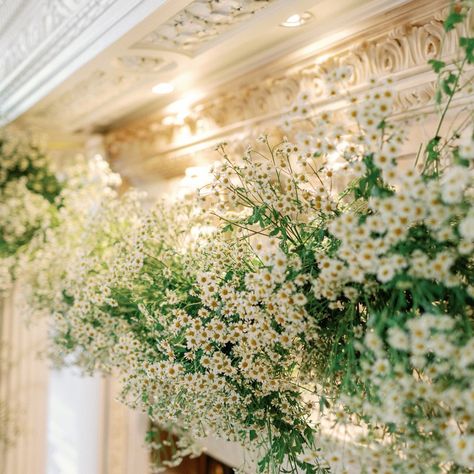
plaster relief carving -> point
(57, 24)
(10, 12)
(96, 91)
(142, 63)
(50, 15)
(200, 22)
(415, 96)
(401, 53)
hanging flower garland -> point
(28, 193)
(280, 304)
(90, 221)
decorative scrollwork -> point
(400, 53)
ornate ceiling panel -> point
(42, 44)
(50, 19)
(105, 92)
(200, 22)
(119, 79)
(10, 11)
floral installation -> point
(28, 192)
(61, 266)
(386, 266)
(317, 285)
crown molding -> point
(61, 37)
(163, 144)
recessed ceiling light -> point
(163, 88)
(297, 20)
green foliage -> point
(437, 65)
(25, 160)
(468, 45)
(28, 199)
(454, 18)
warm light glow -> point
(195, 177)
(335, 161)
(179, 110)
(183, 105)
(163, 88)
(168, 120)
(323, 58)
(293, 20)
(297, 20)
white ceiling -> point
(90, 64)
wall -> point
(73, 423)
(24, 389)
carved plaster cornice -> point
(51, 19)
(56, 25)
(401, 53)
(53, 39)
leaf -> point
(437, 65)
(468, 45)
(432, 149)
(452, 20)
(448, 84)
(255, 217)
(323, 403)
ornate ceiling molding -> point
(104, 92)
(157, 142)
(53, 38)
(143, 63)
(119, 79)
(200, 22)
(10, 11)
(53, 18)
(56, 25)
